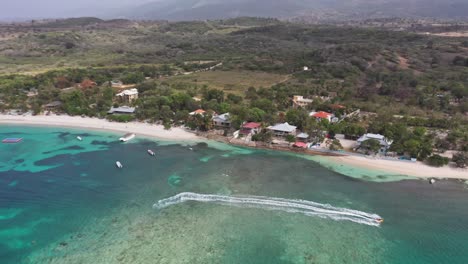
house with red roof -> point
(300, 144)
(250, 128)
(322, 115)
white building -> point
(223, 120)
(300, 101)
(128, 95)
(384, 142)
(283, 129)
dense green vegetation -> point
(415, 85)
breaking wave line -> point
(279, 204)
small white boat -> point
(118, 164)
(127, 137)
(432, 181)
(79, 138)
(151, 152)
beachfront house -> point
(250, 128)
(222, 121)
(123, 110)
(384, 142)
(302, 137)
(322, 116)
(300, 101)
(282, 130)
(128, 96)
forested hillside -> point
(424, 71)
(411, 87)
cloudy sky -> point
(11, 9)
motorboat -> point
(151, 152)
(118, 164)
(379, 220)
(127, 137)
(79, 138)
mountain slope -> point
(216, 9)
(325, 9)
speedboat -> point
(127, 137)
(150, 152)
(379, 220)
(79, 138)
(118, 164)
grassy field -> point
(235, 82)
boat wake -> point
(279, 204)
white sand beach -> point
(137, 128)
(416, 169)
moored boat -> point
(118, 164)
(151, 152)
(12, 140)
(79, 138)
(127, 137)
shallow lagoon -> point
(63, 201)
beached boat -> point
(79, 138)
(12, 140)
(118, 164)
(151, 152)
(127, 137)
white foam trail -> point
(270, 203)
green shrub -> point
(437, 161)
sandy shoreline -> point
(138, 128)
(416, 169)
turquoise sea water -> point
(63, 201)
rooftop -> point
(222, 118)
(321, 114)
(252, 125)
(285, 127)
(373, 136)
(133, 91)
(54, 104)
(122, 109)
(300, 98)
(300, 144)
(198, 112)
(378, 137)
